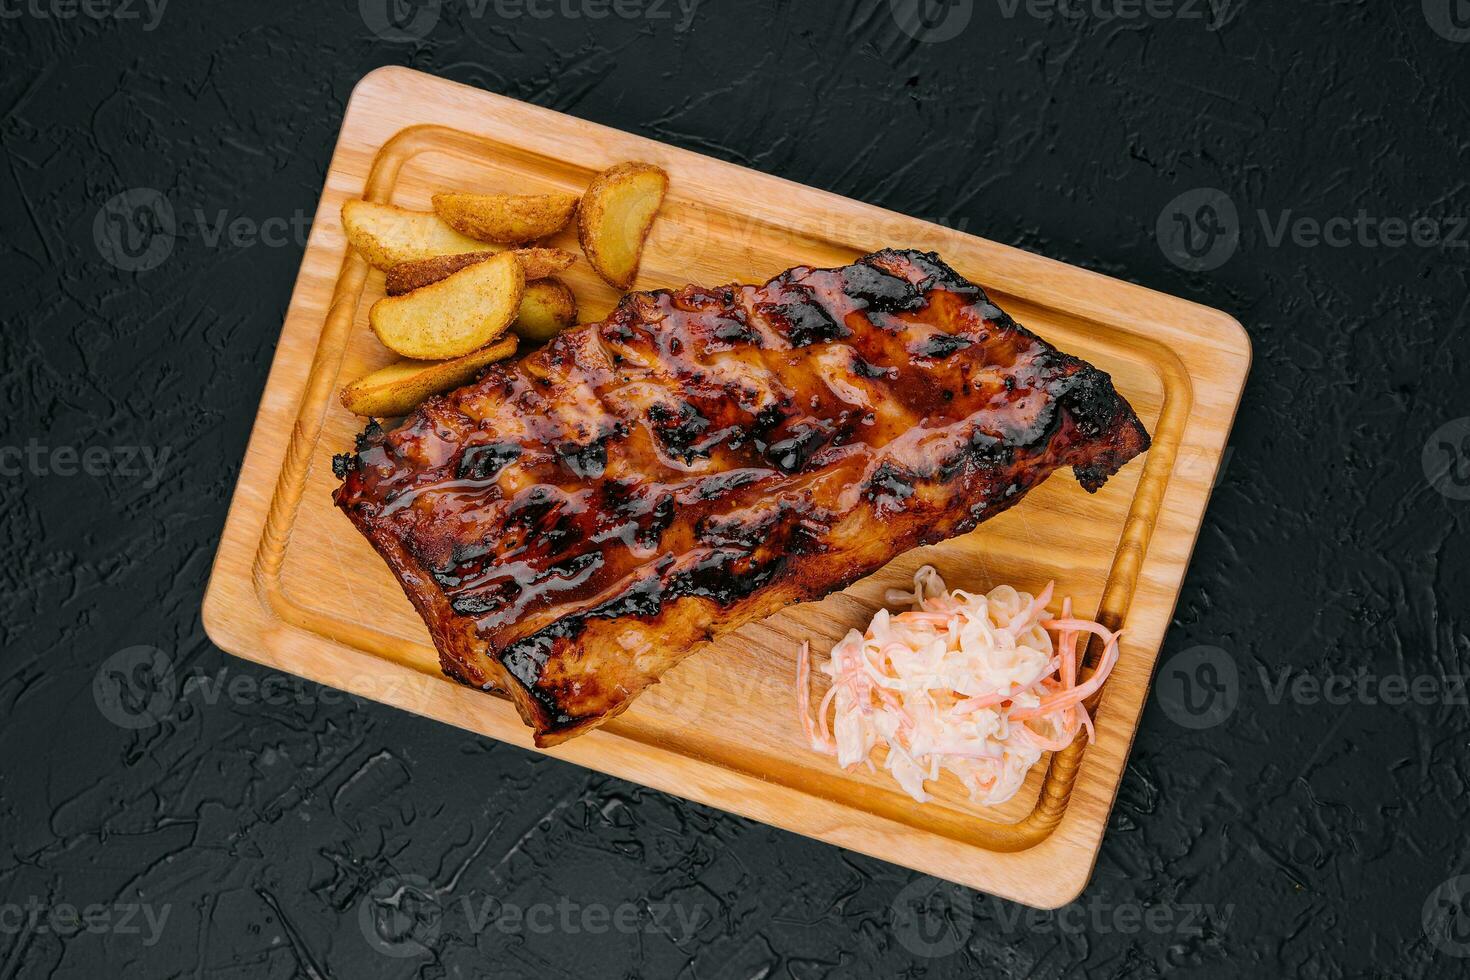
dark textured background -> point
(1295, 838)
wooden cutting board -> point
(296, 588)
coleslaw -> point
(968, 683)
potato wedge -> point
(455, 315)
(387, 235)
(508, 219)
(539, 263)
(400, 388)
(547, 308)
(616, 213)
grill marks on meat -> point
(574, 523)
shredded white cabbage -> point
(960, 682)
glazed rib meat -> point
(577, 522)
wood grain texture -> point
(294, 587)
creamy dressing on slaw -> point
(963, 682)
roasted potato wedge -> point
(616, 213)
(400, 388)
(455, 315)
(508, 219)
(539, 263)
(547, 308)
(387, 235)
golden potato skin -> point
(506, 219)
(615, 216)
(547, 308)
(400, 388)
(454, 316)
(539, 262)
(405, 277)
(387, 235)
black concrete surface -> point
(1302, 165)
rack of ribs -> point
(576, 522)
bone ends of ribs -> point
(575, 523)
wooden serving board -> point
(296, 588)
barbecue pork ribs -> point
(578, 521)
